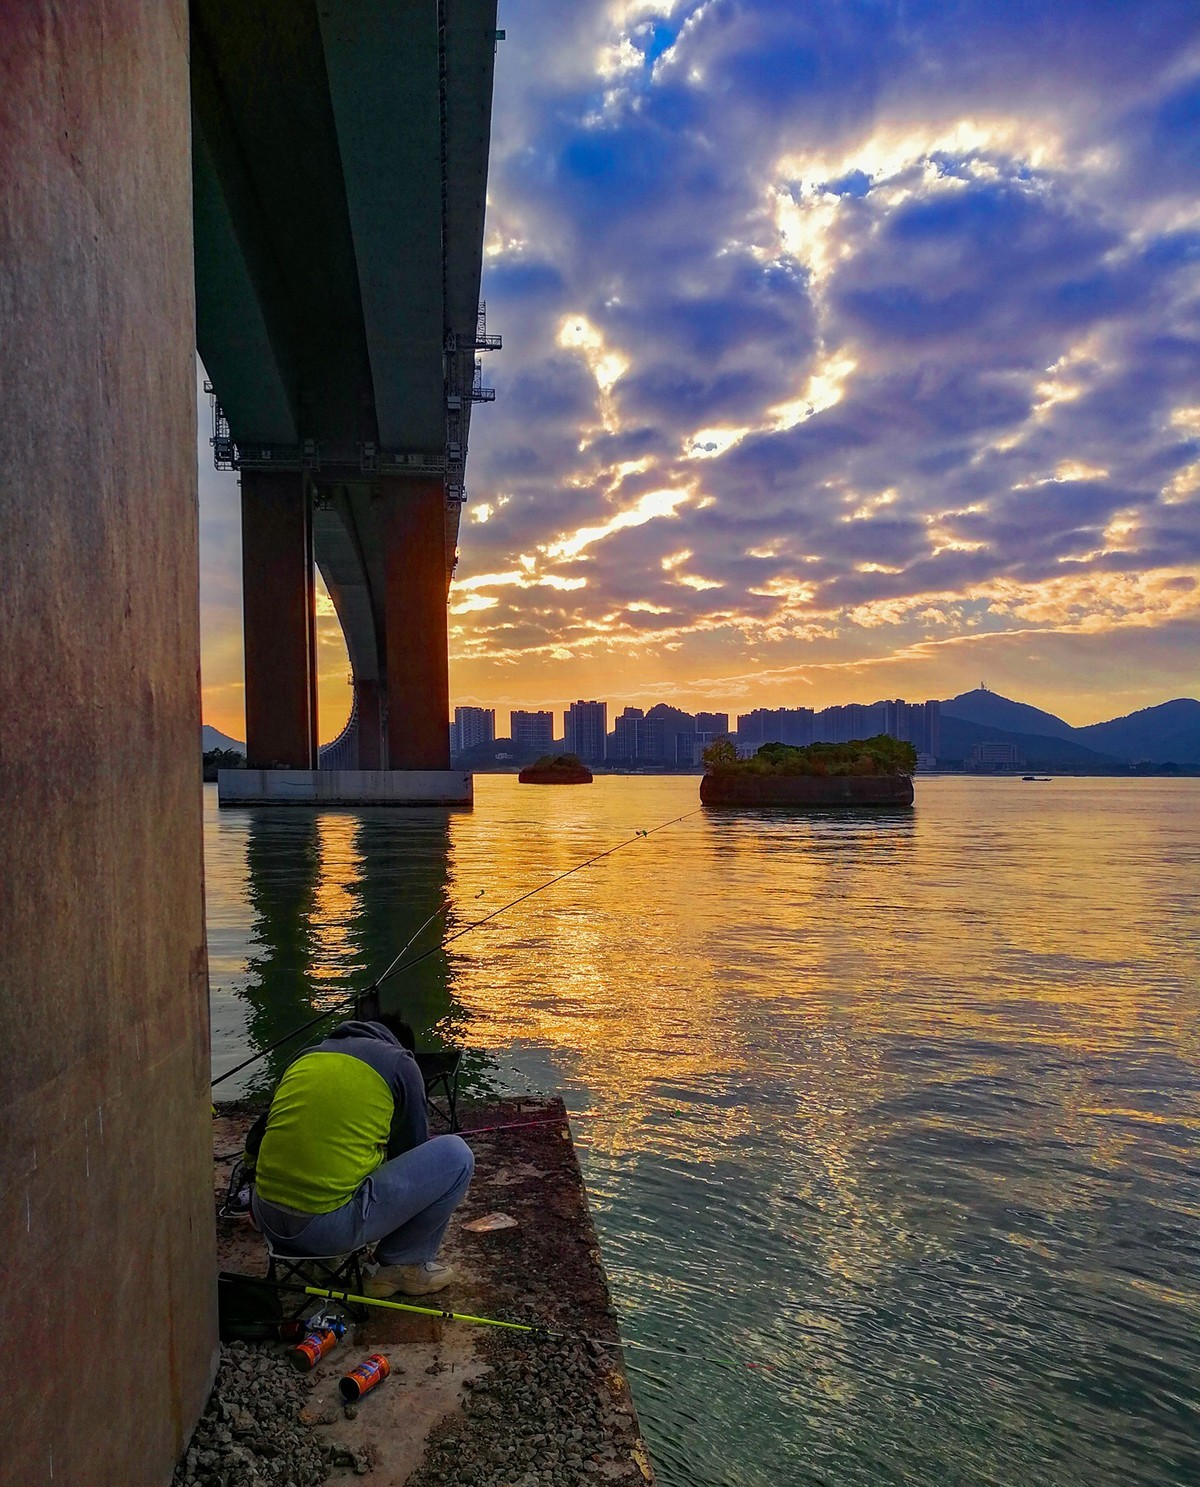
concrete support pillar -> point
(369, 698)
(106, 1224)
(418, 673)
(279, 620)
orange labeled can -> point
(308, 1354)
(371, 1371)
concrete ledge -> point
(344, 787)
(812, 792)
(480, 1405)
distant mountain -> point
(994, 711)
(674, 717)
(213, 738)
(1168, 732)
(1038, 750)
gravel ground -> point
(542, 1416)
(252, 1434)
(548, 1412)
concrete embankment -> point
(465, 1405)
(813, 792)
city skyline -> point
(628, 699)
(479, 724)
(843, 354)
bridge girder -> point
(340, 156)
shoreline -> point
(471, 1406)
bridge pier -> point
(369, 699)
(413, 511)
(106, 1228)
(279, 620)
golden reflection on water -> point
(901, 1101)
(340, 865)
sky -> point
(850, 351)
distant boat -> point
(1035, 776)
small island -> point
(865, 772)
(556, 769)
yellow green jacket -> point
(341, 1108)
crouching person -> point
(343, 1158)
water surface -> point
(892, 1120)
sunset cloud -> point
(847, 351)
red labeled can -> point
(371, 1371)
(308, 1354)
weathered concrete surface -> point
(251, 787)
(418, 666)
(106, 1231)
(473, 1406)
(814, 791)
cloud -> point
(888, 316)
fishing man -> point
(343, 1158)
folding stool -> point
(330, 1272)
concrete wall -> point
(327, 787)
(106, 1228)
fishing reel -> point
(236, 1203)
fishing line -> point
(348, 1298)
(395, 968)
(520, 1125)
(337, 1006)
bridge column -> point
(369, 698)
(413, 513)
(279, 621)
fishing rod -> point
(532, 1329)
(395, 968)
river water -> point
(891, 1121)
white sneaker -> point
(409, 1280)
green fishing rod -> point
(531, 1329)
(396, 968)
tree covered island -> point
(866, 771)
(556, 769)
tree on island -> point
(215, 759)
(556, 769)
(881, 755)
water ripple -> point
(892, 1122)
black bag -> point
(249, 1309)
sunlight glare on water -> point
(892, 1120)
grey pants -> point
(402, 1208)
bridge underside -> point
(340, 174)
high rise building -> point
(627, 735)
(715, 723)
(585, 725)
(532, 731)
(925, 721)
(786, 725)
(846, 723)
(657, 741)
(472, 725)
(917, 723)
